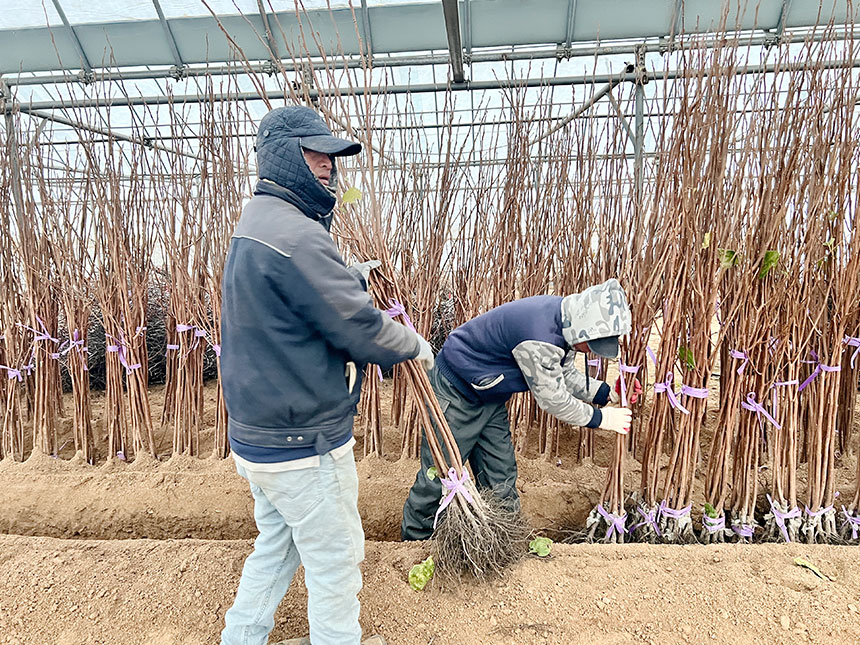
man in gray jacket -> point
(297, 330)
(525, 345)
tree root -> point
(677, 530)
(850, 531)
(786, 530)
(645, 528)
(596, 522)
(744, 526)
(714, 530)
(478, 540)
(820, 529)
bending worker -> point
(527, 344)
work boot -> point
(376, 639)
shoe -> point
(304, 640)
(376, 639)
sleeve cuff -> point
(596, 418)
(602, 396)
(355, 273)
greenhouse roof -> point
(64, 35)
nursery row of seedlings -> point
(736, 242)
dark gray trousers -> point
(483, 435)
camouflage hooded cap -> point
(597, 316)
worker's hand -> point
(633, 392)
(425, 354)
(616, 419)
(364, 268)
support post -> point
(12, 152)
(639, 140)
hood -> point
(280, 161)
(600, 311)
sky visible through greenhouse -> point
(411, 125)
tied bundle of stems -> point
(477, 535)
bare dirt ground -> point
(151, 552)
(175, 592)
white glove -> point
(614, 397)
(616, 419)
(364, 268)
(425, 354)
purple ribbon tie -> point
(714, 524)
(651, 355)
(120, 349)
(675, 514)
(595, 362)
(12, 373)
(217, 349)
(775, 397)
(854, 521)
(820, 367)
(667, 387)
(198, 334)
(780, 517)
(819, 512)
(852, 341)
(40, 335)
(740, 356)
(397, 309)
(743, 530)
(754, 406)
(454, 486)
(649, 518)
(695, 392)
(616, 522)
(625, 369)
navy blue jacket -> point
(483, 347)
(519, 347)
(292, 317)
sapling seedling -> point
(540, 546)
(422, 573)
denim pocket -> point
(295, 493)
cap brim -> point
(330, 145)
(605, 347)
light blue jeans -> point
(308, 517)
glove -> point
(425, 354)
(616, 419)
(364, 268)
(632, 393)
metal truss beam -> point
(423, 88)
(571, 23)
(171, 41)
(366, 29)
(267, 27)
(85, 62)
(455, 42)
(406, 61)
